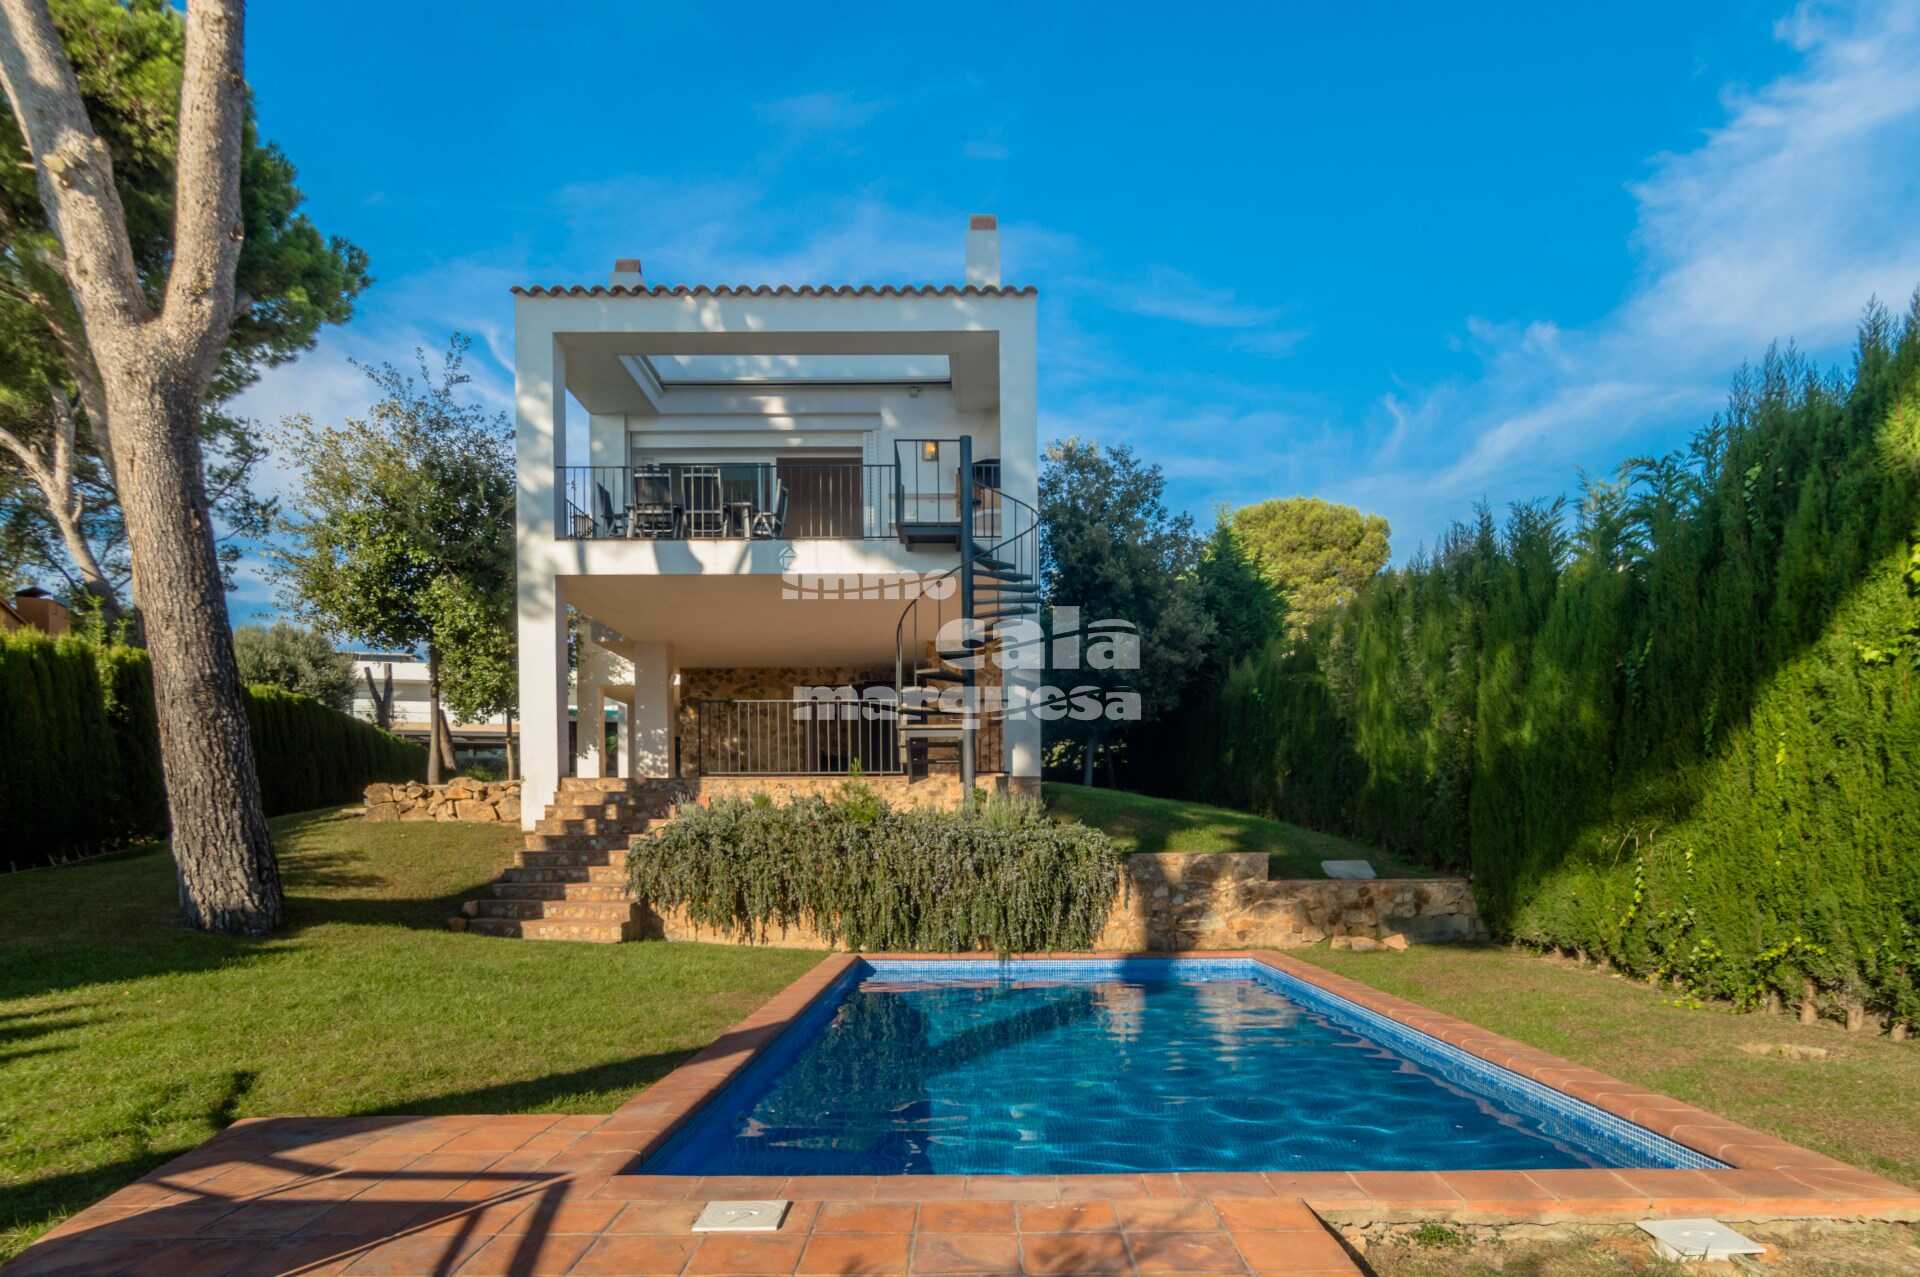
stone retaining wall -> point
(462, 798)
(1226, 901)
(941, 792)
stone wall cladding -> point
(462, 798)
(1226, 901)
(937, 791)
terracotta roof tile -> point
(774, 290)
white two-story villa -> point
(783, 490)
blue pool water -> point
(1087, 1067)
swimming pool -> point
(1089, 1066)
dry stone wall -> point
(1226, 901)
(462, 798)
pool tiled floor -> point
(532, 1194)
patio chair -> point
(770, 524)
(610, 524)
(654, 513)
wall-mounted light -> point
(930, 450)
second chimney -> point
(983, 251)
(626, 273)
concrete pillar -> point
(540, 447)
(1020, 477)
(652, 709)
(623, 744)
(590, 724)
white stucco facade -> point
(782, 390)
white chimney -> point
(626, 273)
(983, 251)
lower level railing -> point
(796, 738)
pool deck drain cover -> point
(1698, 1239)
(741, 1217)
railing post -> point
(969, 720)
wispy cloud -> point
(824, 111)
(1163, 292)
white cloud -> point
(823, 111)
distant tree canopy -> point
(297, 659)
(1317, 553)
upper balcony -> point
(914, 498)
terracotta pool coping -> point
(1769, 1178)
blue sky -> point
(1404, 257)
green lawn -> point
(1861, 1103)
(125, 1040)
(1142, 824)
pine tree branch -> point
(207, 225)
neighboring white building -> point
(770, 475)
(411, 702)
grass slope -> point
(1143, 824)
(125, 1039)
(1860, 1104)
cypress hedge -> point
(1000, 876)
(80, 749)
(1678, 731)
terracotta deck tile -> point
(966, 1217)
(650, 1188)
(1184, 1253)
(1493, 1197)
(921, 1188)
(1165, 1186)
(369, 1221)
(1318, 1187)
(1082, 1254)
(743, 1256)
(527, 1255)
(1227, 1183)
(412, 1257)
(1014, 1188)
(974, 1254)
(1265, 1214)
(864, 1217)
(314, 1257)
(830, 1188)
(266, 1219)
(1594, 1195)
(568, 1217)
(1408, 1190)
(884, 1254)
(1169, 1214)
(1101, 1187)
(1296, 1250)
(635, 1256)
(735, 1188)
(182, 1220)
(1067, 1217)
(1681, 1194)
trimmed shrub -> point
(1680, 731)
(1002, 876)
(80, 749)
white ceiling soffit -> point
(669, 371)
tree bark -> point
(154, 371)
(449, 761)
(52, 473)
(513, 769)
(433, 715)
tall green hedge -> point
(1680, 730)
(1001, 876)
(80, 751)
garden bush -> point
(80, 749)
(1679, 731)
(1001, 876)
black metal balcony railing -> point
(728, 500)
(796, 738)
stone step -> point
(576, 842)
(607, 874)
(547, 929)
(551, 910)
(620, 825)
(570, 857)
(606, 892)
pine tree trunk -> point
(513, 769)
(449, 761)
(433, 716)
(228, 878)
